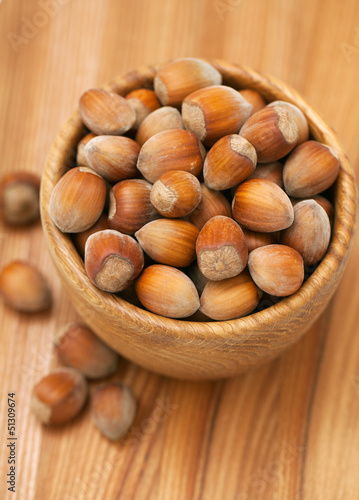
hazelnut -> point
(254, 98)
(113, 409)
(298, 117)
(255, 239)
(78, 347)
(174, 81)
(229, 162)
(221, 249)
(212, 203)
(112, 260)
(261, 205)
(113, 157)
(272, 131)
(19, 198)
(170, 150)
(167, 291)
(81, 159)
(230, 298)
(310, 232)
(169, 241)
(77, 200)
(106, 113)
(271, 171)
(24, 288)
(276, 269)
(176, 193)
(143, 101)
(59, 397)
(310, 169)
(322, 201)
(80, 239)
(214, 112)
(166, 118)
(130, 206)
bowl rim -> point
(345, 205)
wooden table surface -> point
(288, 430)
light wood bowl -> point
(195, 350)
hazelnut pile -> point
(196, 199)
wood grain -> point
(285, 431)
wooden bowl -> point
(195, 350)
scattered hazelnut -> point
(19, 198)
(78, 347)
(59, 397)
(113, 409)
(24, 288)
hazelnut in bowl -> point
(199, 214)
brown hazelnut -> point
(24, 288)
(59, 397)
(175, 80)
(19, 198)
(113, 409)
(130, 206)
(261, 205)
(167, 291)
(78, 347)
(106, 113)
(169, 241)
(77, 200)
(276, 269)
(112, 260)
(176, 193)
(221, 249)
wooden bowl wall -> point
(193, 350)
